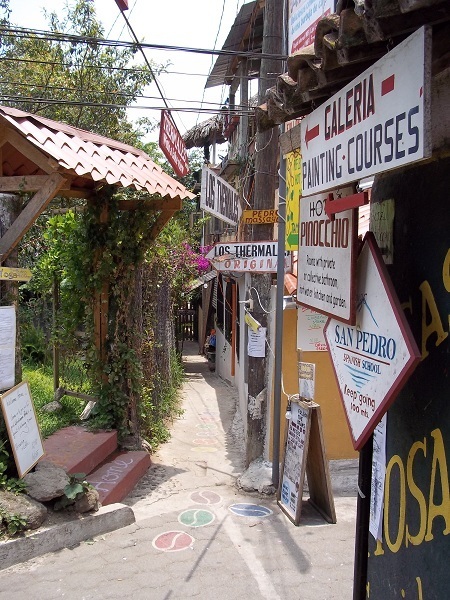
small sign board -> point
(306, 380)
(326, 259)
(172, 144)
(310, 326)
(379, 121)
(14, 274)
(23, 430)
(304, 453)
(219, 198)
(248, 257)
(373, 359)
(260, 217)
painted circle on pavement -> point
(196, 517)
(206, 497)
(205, 441)
(244, 509)
(173, 541)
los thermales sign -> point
(379, 121)
(256, 257)
(219, 198)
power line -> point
(71, 38)
(108, 93)
(53, 101)
(160, 71)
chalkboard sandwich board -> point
(23, 430)
(304, 453)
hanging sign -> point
(379, 121)
(219, 198)
(373, 359)
(326, 259)
(14, 274)
(172, 144)
(260, 217)
(293, 194)
(248, 257)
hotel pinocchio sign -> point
(327, 259)
(373, 359)
(219, 198)
(379, 121)
(248, 257)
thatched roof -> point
(206, 133)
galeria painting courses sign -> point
(379, 121)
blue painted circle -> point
(244, 509)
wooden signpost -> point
(304, 453)
(23, 430)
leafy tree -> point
(85, 84)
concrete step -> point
(119, 474)
(78, 450)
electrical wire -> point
(106, 92)
(52, 101)
(50, 36)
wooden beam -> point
(163, 218)
(27, 149)
(171, 204)
(290, 140)
(29, 214)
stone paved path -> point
(196, 535)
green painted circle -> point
(195, 517)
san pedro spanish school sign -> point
(373, 359)
(219, 198)
(379, 121)
(254, 257)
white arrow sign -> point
(373, 359)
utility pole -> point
(266, 182)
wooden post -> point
(266, 182)
(101, 301)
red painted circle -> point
(206, 497)
(173, 541)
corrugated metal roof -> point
(240, 38)
(89, 157)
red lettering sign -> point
(172, 144)
(122, 4)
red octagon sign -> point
(373, 359)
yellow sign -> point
(293, 193)
(14, 274)
(259, 217)
(251, 322)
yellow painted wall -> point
(338, 442)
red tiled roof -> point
(89, 157)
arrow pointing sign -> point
(373, 359)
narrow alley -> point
(196, 534)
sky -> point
(193, 24)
